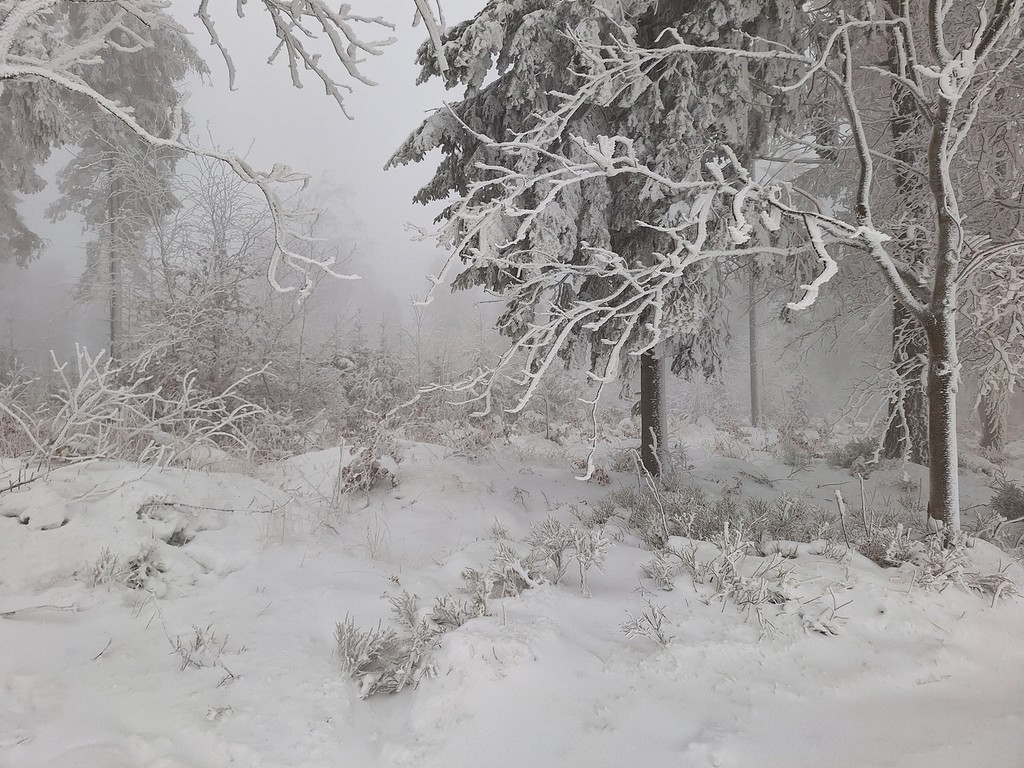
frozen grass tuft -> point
(651, 624)
(385, 659)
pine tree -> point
(675, 114)
(33, 112)
(118, 182)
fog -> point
(269, 121)
(369, 211)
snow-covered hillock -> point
(170, 618)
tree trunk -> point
(943, 371)
(653, 411)
(907, 434)
(755, 349)
(114, 274)
(940, 324)
(993, 426)
(906, 437)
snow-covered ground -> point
(223, 653)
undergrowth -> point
(388, 659)
(711, 539)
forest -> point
(620, 382)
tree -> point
(45, 62)
(116, 181)
(564, 272)
(989, 176)
(30, 110)
(994, 344)
(951, 75)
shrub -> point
(944, 559)
(689, 512)
(650, 624)
(1008, 499)
(386, 660)
(137, 572)
(553, 545)
(857, 454)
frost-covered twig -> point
(104, 411)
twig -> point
(864, 507)
(11, 614)
(207, 508)
(18, 484)
(842, 516)
(109, 641)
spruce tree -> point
(523, 66)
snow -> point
(862, 667)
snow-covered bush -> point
(203, 648)
(858, 454)
(722, 568)
(373, 464)
(451, 613)
(384, 659)
(106, 569)
(552, 547)
(508, 573)
(136, 572)
(651, 623)
(794, 453)
(662, 571)
(101, 410)
(690, 513)
(1008, 499)
(731, 446)
(789, 518)
(944, 558)
(19, 397)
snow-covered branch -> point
(300, 24)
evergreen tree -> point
(524, 66)
(118, 182)
(33, 112)
(54, 48)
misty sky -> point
(270, 121)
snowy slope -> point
(223, 654)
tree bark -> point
(653, 411)
(993, 426)
(943, 472)
(114, 272)
(906, 436)
(754, 348)
(908, 416)
(943, 360)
